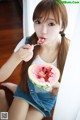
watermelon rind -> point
(34, 80)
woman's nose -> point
(44, 29)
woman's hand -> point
(54, 90)
(25, 53)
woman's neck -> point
(49, 52)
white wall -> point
(68, 102)
(28, 8)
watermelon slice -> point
(40, 41)
(43, 75)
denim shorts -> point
(42, 101)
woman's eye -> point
(51, 24)
(37, 21)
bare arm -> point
(25, 53)
(7, 69)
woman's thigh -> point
(34, 114)
(18, 109)
(3, 101)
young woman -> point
(31, 102)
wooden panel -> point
(11, 32)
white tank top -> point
(39, 60)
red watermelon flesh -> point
(43, 75)
(41, 41)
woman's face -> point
(49, 29)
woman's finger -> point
(56, 85)
(28, 46)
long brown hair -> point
(42, 10)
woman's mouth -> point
(41, 40)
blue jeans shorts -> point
(43, 102)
